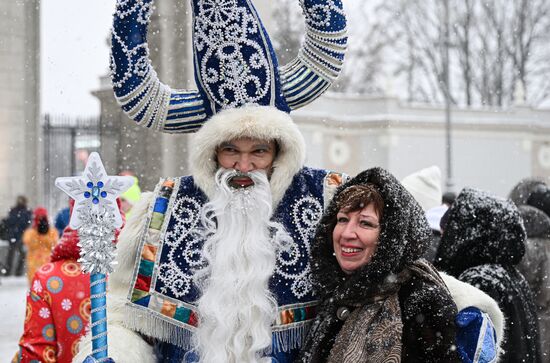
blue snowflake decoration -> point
(96, 192)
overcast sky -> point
(74, 54)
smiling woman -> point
(380, 301)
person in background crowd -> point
(533, 200)
(17, 221)
(130, 197)
(62, 220)
(483, 242)
(58, 305)
(39, 240)
(425, 186)
(434, 217)
(521, 192)
(535, 266)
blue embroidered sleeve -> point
(138, 90)
(321, 56)
(476, 336)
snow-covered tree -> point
(496, 48)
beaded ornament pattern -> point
(183, 242)
(234, 63)
(231, 54)
(306, 212)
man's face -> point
(246, 155)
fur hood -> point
(259, 122)
(536, 222)
(523, 190)
(481, 229)
(404, 237)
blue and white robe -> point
(163, 294)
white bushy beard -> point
(236, 308)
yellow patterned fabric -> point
(39, 248)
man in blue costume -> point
(248, 211)
(223, 256)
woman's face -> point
(355, 237)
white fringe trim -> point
(291, 338)
(154, 325)
(147, 322)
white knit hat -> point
(425, 187)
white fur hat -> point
(425, 186)
(253, 121)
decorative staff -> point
(96, 216)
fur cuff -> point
(465, 295)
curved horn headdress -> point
(234, 63)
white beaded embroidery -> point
(185, 214)
(306, 213)
(186, 235)
(222, 30)
(320, 15)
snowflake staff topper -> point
(94, 191)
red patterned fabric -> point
(67, 247)
(57, 315)
(58, 305)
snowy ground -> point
(12, 314)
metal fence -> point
(67, 144)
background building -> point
(21, 166)
(493, 148)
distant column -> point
(20, 139)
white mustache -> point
(224, 176)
